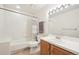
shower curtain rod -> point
(17, 12)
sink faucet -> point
(59, 36)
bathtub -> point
(4, 46)
(22, 43)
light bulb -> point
(50, 13)
(57, 9)
(61, 8)
(18, 7)
(66, 6)
(54, 11)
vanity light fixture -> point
(50, 13)
(61, 8)
(66, 6)
(58, 8)
(54, 11)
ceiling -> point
(29, 8)
(32, 9)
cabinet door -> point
(44, 48)
(58, 51)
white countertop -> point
(67, 43)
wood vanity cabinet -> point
(49, 49)
(44, 48)
(54, 50)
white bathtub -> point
(22, 43)
(17, 45)
(4, 46)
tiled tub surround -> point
(68, 43)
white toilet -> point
(34, 46)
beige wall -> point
(65, 23)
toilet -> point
(34, 46)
